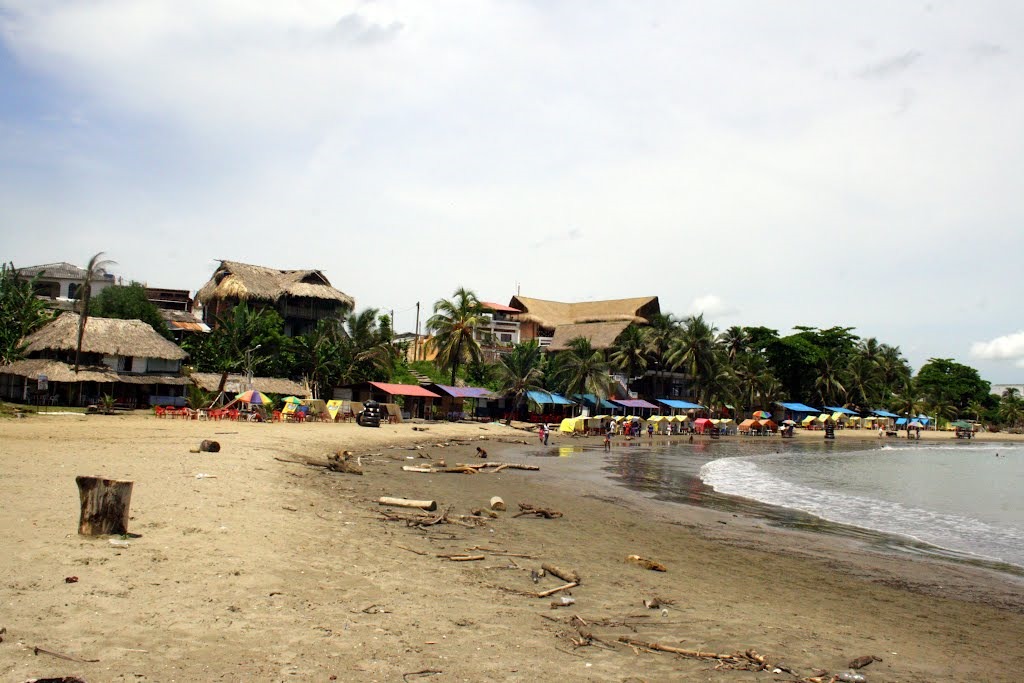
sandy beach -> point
(250, 565)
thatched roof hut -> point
(105, 336)
(551, 314)
(209, 381)
(601, 335)
(58, 371)
(244, 282)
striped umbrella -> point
(761, 415)
(292, 399)
(254, 397)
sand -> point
(266, 570)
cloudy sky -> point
(796, 162)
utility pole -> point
(416, 343)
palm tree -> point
(828, 383)
(861, 379)
(581, 369)
(734, 342)
(453, 324)
(629, 352)
(95, 265)
(661, 331)
(895, 371)
(521, 371)
(975, 408)
(694, 350)
(369, 351)
(1010, 409)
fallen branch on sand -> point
(70, 658)
(422, 672)
(568, 586)
(546, 513)
(647, 564)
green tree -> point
(693, 351)
(21, 313)
(942, 380)
(828, 383)
(734, 342)
(629, 352)
(520, 371)
(861, 380)
(370, 353)
(128, 303)
(453, 325)
(95, 265)
(662, 330)
(581, 369)
(1010, 410)
(319, 354)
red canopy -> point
(403, 390)
(702, 424)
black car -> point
(369, 416)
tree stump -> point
(104, 505)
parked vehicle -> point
(369, 416)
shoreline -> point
(272, 570)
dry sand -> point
(269, 570)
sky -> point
(853, 163)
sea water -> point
(960, 500)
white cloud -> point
(1007, 347)
(712, 306)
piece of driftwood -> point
(104, 505)
(482, 512)
(343, 461)
(463, 558)
(497, 503)
(861, 662)
(567, 575)
(71, 658)
(418, 468)
(693, 654)
(429, 505)
(568, 586)
(647, 564)
(657, 603)
(546, 513)
(503, 465)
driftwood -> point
(104, 505)
(502, 465)
(568, 586)
(38, 651)
(463, 558)
(647, 564)
(497, 503)
(693, 654)
(861, 662)
(481, 512)
(429, 505)
(546, 513)
(418, 468)
(342, 461)
(564, 574)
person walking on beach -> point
(540, 434)
(608, 440)
(650, 430)
(547, 433)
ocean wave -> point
(743, 477)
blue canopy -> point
(682, 405)
(922, 419)
(543, 398)
(884, 413)
(838, 409)
(591, 399)
(901, 421)
(799, 408)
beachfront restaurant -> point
(546, 406)
(460, 403)
(797, 412)
(604, 407)
(637, 404)
(401, 401)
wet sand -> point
(274, 570)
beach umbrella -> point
(292, 399)
(915, 425)
(254, 397)
(761, 415)
(788, 422)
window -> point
(505, 337)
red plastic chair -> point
(276, 416)
(160, 412)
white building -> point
(61, 281)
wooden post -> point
(104, 505)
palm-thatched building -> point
(301, 297)
(554, 323)
(126, 359)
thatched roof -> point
(62, 270)
(551, 314)
(108, 336)
(209, 381)
(57, 371)
(601, 335)
(242, 281)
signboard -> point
(42, 383)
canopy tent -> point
(883, 413)
(749, 424)
(809, 420)
(635, 403)
(824, 417)
(681, 404)
(840, 409)
(548, 398)
(901, 421)
(770, 425)
(798, 408)
(703, 424)
(466, 392)
(591, 400)
(573, 425)
(960, 424)
(403, 389)
(838, 417)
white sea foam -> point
(742, 476)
